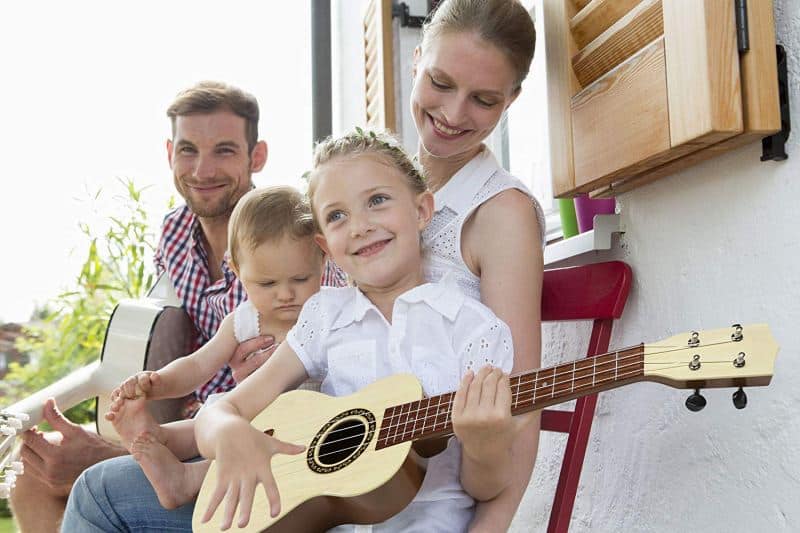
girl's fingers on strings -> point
(231, 502)
(213, 503)
(460, 399)
(489, 386)
(271, 489)
(246, 493)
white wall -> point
(710, 246)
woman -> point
(487, 229)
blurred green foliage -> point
(72, 325)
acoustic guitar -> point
(357, 467)
(142, 334)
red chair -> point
(591, 292)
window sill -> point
(598, 238)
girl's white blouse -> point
(437, 334)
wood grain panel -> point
(597, 17)
(639, 27)
(622, 118)
(760, 105)
(702, 70)
(379, 65)
(559, 48)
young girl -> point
(274, 255)
(370, 204)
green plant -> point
(71, 333)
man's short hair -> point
(211, 96)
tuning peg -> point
(695, 402)
(740, 399)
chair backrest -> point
(588, 292)
(596, 292)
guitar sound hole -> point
(343, 440)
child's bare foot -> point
(175, 483)
(131, 418)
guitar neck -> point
(432, 417)
(68, 391)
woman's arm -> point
(510, 265)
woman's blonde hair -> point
(365, 142)
(504, 23)
(268, 214)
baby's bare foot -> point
(132, 419)
(175, 483)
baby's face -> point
(280, 276)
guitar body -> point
(326, 486)
(143, 334)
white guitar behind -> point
(142, 334)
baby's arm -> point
(223, 432)
(184, 375)
(482, 412)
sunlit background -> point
(84, 93)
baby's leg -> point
(175, 483)
(131, 418)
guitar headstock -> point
(10, 425)
(737, 356)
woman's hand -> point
(482, 422)
(238, 475)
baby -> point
(273, 253)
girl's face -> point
(462, 85)
(280, 276)
(371, 221)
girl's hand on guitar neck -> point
(237, 475)
(483, 424)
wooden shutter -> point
(638, 89)
(379, 65)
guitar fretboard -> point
(432, 417)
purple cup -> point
(586, 209)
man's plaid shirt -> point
(181, 254)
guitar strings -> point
(531, 377)
(295, 460)
(527, 378)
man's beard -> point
(221, 206)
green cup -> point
(569, 222)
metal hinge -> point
(742, 29)
(407, 20)
(773, 148)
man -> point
(213, 152)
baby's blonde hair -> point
(268, 214)
(365, 142)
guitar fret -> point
(572, 381)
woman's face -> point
(462, 85)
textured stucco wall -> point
(713, 245)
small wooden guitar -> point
(142, 334)
(357, 467)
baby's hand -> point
(482, 414)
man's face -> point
(210, 162)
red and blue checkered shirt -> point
(182, 255)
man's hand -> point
(250, 355)
(58, 458)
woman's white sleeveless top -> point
(477, 181)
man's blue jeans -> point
(115, 495)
